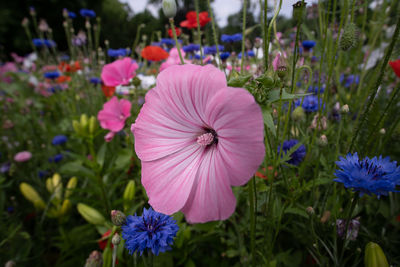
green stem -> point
(265, 34)
(376, 85)
(196, 4)
(272, 22)
(253, 201)
(214, 33)
(243, 34)
(135, 43)
(171, 22)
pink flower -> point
(173, 59)
(108, 137)
(196, 138)
(119, 72)
(114, 113)
(23, 156)
(276, 62)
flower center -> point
(208, 138)
(371, 168)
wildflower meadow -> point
(166, 139)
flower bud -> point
(10, 263)
(169, 8)
(310, 210)
(382, 131)
(106, 42)
(90, 214)
(87, 24)
(349, 37)
(84, 122)
(32, 195)
(49, 185)
(129, 194)
(77, 127)
(116, 239)
(95, 259)
(345, 109)
(266, 80)
(282, 71)
(322, 141)
(374, 256)
(66, 206)
(57, 185)
(25, 22)
(325, 217)
(298, 114)
(70, 186)
(118, 218)
(32, 11)
(136, 81)
(92, 124)
(299, 9)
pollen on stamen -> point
(205, 139)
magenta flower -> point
(196, 138)
(119, 72)
(23, 156)
(114, 114)
(173, 59)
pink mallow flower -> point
(23, 156)
(119, 72)
(173, 59)
(196, 137)
(114, 113)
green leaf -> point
(76, 168)
(101, 155)
(273, 96)
(267, 116)
(297, 211)
(239, 81)
(123, 159)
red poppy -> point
(108, 90)
(104, 239)
(65, 67)
(262, 175)
(154, 53)
(177, 30)
(63, 79)
(395, 66)
(191, 19)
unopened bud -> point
(116, 239)
(87, 24)
(310, 210)
(106, 42)
(382, 131)
(90, 214)
(349, 37)
(345, 109)
(70, 186)
(25, 22)
(282, 71)
(95, 259)
(299, 9)
(136, 81)
(32, 195)
(374, 256)
(322, 141)
(10, 264)
(65, 13)
(32, 11)
(325, 217)
(298, 114)
(92, 124)
(65, 24)
(169, 8)
(118, 218)
(66, 206)
(129, 194)
(84, 121)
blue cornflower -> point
(56, 158)
(153, 231)
(315, 89)
(156, 44)
(87, 13)
(310, 103)
(212, 50)
(59, 140)
(247, 54)
(121, 52)
(224, 55)
(49, 43)
(42, 174)
(231, 38)
(349, 80)
(95, 80)
(168, 41)
(197, 56)
(43, 42)
(297, 156)
(51, 74)
(308, 44)
(5, 167)
(71, 15)
(191, 48)
(368, 176)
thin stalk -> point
(196, 4)
(214, 33)
(171, 22)
(272, 22)
(135, 43)
(252, 201)
(377, 83)
(243, 34)
(265, 34)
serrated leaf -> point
(274, 96)
(239, 81)
(297, 211)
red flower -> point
(395, 66)
(154, 53)
(177, 31)
(63, 66)
(108, 90)
(191, 19)
(63, 79)
(104, 239)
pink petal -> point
(212, 198)
(169, 181)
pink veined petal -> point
(238, 121)
(125, 108)
(169, 181)
(118, 72)
(110, 115)
(212, 199)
